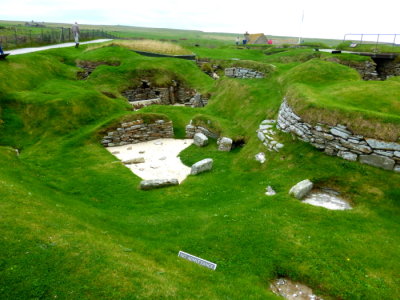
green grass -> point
(327, 92)
(74, 224)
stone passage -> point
(137, 131)
(243, 73)
(147, 94)
(266, 133)
(339, 141)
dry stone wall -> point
(339, 141)
(138, 131)
(243, 73)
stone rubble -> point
(339, 141)
(137, 131)
(266, 133)
(243, 73)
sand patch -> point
(161, 160)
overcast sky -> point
(322, 18)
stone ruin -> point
(89, 66)
(147, 94)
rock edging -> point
(339, 141)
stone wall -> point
(243, 73)
(137, 131)
(388, 69)
(339, 141)
(191, 130)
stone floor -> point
(156, 159)
(327, 198)
(292, 290)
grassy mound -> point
(325, 92)
(153, 46)
(75, 225)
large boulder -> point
(157, 183)
(301, 189)
(202, 166)
(225, 144)
(200, 139)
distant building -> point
(257, 38)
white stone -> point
(201, 166)
(261, 136)
(200, 139)
(270, 191)
(301, 189)
(225, 144)
(260, 157)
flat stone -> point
(200, 139)
(136, 160)
(261, 136)
(397, 154)
(157, 183)
(301, 189)
(358, 147)
(265, 127)
(225, 144)
(201, 166)
(397, 168)
(381, 145)
(326, 200)
(347, 155)
(378, 161)
(339, 132)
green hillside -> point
(75, 225)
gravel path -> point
(29, 50)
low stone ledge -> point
(157, 183)
(339, 141)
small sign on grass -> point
(197, 260)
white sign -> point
(197, 260)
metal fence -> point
(17, 37)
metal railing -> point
(366, 38)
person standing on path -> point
(1, 50)
(76, 32)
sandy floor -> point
(29, 50)
(161, 159)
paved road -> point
(29, 50)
